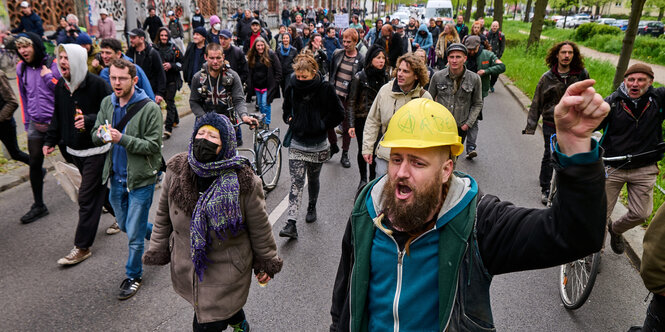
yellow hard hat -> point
(423, 123)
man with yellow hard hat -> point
(423, 243)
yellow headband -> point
(209, 127)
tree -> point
(469, 8)
(659, 4)
(527, 11)
(498, 12)
(480, 12)
(537, 24)
(628, 40)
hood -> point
(168, 31)
(78, 64)
(423, 27)
(462, 190)
(40, 57)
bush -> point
(549, 24)
(584, 31)
(589, 30)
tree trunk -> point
(537, 24)
(498, 12)
(628, 41)
(515, 10)
(469, 8)
(597, 9)
(527, 11)
(480, 12)
(661, 10)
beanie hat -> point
(201, 31)
(372, 53)
(639, 68)
(83, 39)
(222, 124)
(214, 19)
(457, 47)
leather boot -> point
(345, 159)
(311, 212)
(289, 230)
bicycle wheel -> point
(577, 279)
(269, 162)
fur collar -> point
(182, 189)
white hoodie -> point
(78, 64)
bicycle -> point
(577, 278)
(265, 155)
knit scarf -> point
(218, 208)
(283, 51)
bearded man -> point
(423, 243)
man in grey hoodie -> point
(78, 95)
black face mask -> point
(204, 150)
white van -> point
(438, 8)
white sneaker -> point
(113, 229)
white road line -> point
(281, 207)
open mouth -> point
(403, 191)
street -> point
(39, 295)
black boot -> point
(333, 149)
(311, 212)
(345, 159)
(289, 230)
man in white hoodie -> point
(78, 95)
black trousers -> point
(92, 195)
(546, 162)
(219, 325)
(493, 79)
(362, 165)
(8, 138)
(171, 111)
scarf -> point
(218, 208)
(284, 52)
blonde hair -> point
(305, 62)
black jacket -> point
(88, 96)
(635, 129)
(170, 53)
(395, 48)
(237, 61)
(314, 108)
(287, 63)
(274, 76)
(336, 61)
(247, 45)
(188, 69)
(198, 21)
(498, 42)
(151, 63)
(152, 25)
(362, 95)
(244, 30)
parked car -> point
(606, 21)
(621, 24)
(556, 18)
(653, 28)
(579, 20)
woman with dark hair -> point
(306, 35)
(311, 108)
(265, 73)
(364, 88)
(212, 227)
(286, 53)
(297, 40)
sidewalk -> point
(20, 173)
(634, 236)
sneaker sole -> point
(471, 155)
(35, 218)
(111, 232)
(288, 235)
(65, 261)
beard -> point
(411, 216)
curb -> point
(634, 236)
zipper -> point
(398, 290)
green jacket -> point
(487, 61)
(142, 139)
(652, 268)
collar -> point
(398, 89)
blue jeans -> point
(262, 104)
(131, 212)
(286, 22)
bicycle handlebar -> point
(258, 116)
(629, 157)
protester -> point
(300, 26)
(310, 108)
(111, 49)
(30, 21)
(256, 32)
(200, 241)
(344, 64)
(484, 63)
(152, 24)
(60, 35)
(36, 77)
(566, 67)
(365, 87)
(374, 33)
(78, 96)
(131, 166)
(8, 105)
(195, 55)
(265, 73)
(93, 57)
(296, 38)
(448, 37)
(498, 42)
(306, 36)
(177, 31)
(426, 235)
(462, 30)
(234, 55)
(105, 25)
(392, 43)
(286, 16)
(633, 125)
(171, 58)
(244, 30)
(215, 29)
(407, 84)
(330, 42)
(197, 19)
(286, 53)
(361, 46)
(476, 30)
(146, 57)
(423, 39)
(434, 32)
(412, 30)
(420, 53)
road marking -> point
(281, 207)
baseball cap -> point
(226, 34)
(137, 32)
(170, 13)
(319, 25)
(25, 4)
(255, 21)
(472, 42)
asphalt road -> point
(38, 295)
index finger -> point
(577, 88)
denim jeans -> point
(262, 104)
(471, 136)
(131, 212)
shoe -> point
(175, 125)
(545, 196)
(289, 230)
(104, 210)
(472, 154)
(333, 149)
(167, 134)
(240, 327)
(35, 213)
(311, 213)
(345, 159)
(338, 130)
(77, 255)
(113, 229)
(616, 241)
(128, 288)
(492, 89)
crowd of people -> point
(99, 103)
